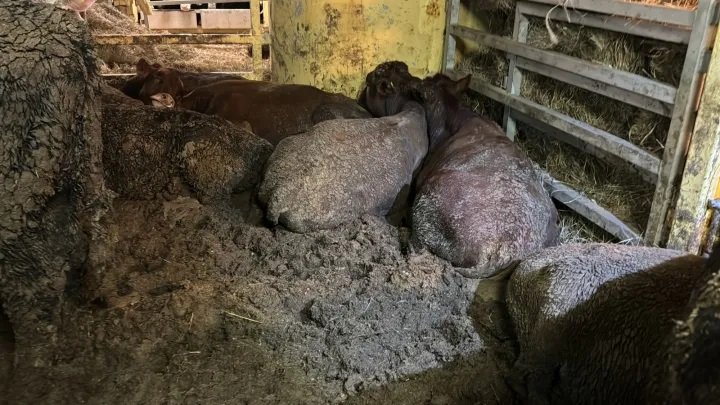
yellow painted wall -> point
(333, 44)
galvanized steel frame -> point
(695, 28)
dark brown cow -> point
(144, 72)
(615, 324)
(479, 202)
(274, 111)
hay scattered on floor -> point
(103, 18)
(575, 229)
(610, 186)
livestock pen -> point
(682, 226)
(153, 250)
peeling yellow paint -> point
(333, 44)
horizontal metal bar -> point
(176, 2)
(642, 28)
(614, 77)
(599, 139)
(634, 99)
(591, 211)
(661, 14)
(179, 39)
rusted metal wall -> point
(333, 44)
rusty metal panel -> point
(334, 44)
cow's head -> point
(143, 68)
(388, 88)
(440, 96)
(162, 80)
(453, 88)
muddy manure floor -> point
(202, 304)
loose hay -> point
(608, 185)
(103, 18)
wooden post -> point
(127, 7)
(514, 77)
(256, 29)
(452, 14)
(683, 116)
(700, 177)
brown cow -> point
(479, 202)
(274, 111)
(145, 71)
(598, 324)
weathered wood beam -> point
(591, 211)
(683, 118)
(177, 39)
(647, 164)
(643, 28)
(702, 168)
(604, 74)
(661, 14)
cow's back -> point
(480, 202)
(274, 111)
(342, 169)
(595, 322)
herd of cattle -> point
(476, 199)
(594, 323)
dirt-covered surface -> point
(194, 303)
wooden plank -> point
(642, 28)
(452, 15)
(606, 90)
(257, 41)
(590, 210)
(225, 19)
(579, 144)
(168, 20)
(681, 123)
(265, 14)
(599, 139)
(614, 77)
(178, 2)
(514, 77)
(700, 177)
(660, 14)
(179, 39)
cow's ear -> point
(142, 67)
(181, 89)
(459, 87)
(385, 87)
